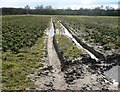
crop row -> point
(22, 31)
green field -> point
(23, 48)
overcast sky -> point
(73, 4)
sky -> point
(60, 4)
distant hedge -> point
(88, 12)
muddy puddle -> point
(52, 29)
(113, 74)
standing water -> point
(73, 39)
(52, 29)
(113, 74)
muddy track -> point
(90, 50)
(59, 82)
(85, 46)
(78, 75)
(110, 59)
(50, 77)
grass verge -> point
(67, 47)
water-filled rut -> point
(67, 33)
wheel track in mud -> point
(52, 78)
(59, 82)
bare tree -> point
(27, 7)
(101, 7)
(109, 8)
(49, 7)
(39, 7)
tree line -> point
(48, 10)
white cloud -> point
(74, 4)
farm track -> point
(59, 82)
(52, 78)
(81, 46)
(93, 53)
(79, 84)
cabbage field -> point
(23, 47)
(22, 31)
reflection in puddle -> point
(113, 73)
(74, 40)
(52, 29)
